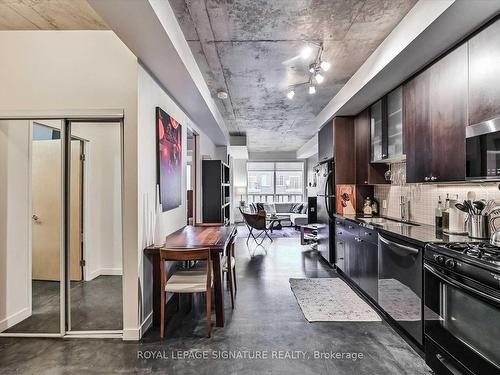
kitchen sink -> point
(384, 221)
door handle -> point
(448, 365)
(409, 249)
(35, 217)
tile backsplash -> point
(423, 198)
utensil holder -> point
(478, 226)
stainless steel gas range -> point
(462, 308)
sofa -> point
(295, 213)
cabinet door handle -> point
(434, 178)
(426, 178)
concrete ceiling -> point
(250, 48)
(49, 15)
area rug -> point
(285, 232)
(331, 300)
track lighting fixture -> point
(318, 65)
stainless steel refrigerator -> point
(325, 177)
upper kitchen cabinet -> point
(484, 74)
(395, 123)
(448, 98)
(377, 131)
(435, 117)
(325, 142)
(344, 150)
(386, 128)
(367, 173)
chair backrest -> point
(254, 220)
(182, 254)
(230, 243)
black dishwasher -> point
(400, 284)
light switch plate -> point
(384, 204)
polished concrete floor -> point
(266, 320)
(95, 304)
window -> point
(275, 181)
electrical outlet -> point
(384, 204)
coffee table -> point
(274, 222)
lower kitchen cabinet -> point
(368, 263)
(357, 256)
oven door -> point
(463, 318)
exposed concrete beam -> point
(151, 31)
(309, 148)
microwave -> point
(483, 151)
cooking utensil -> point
(490, 206)
(462, 207)
(479, 205)
(471, 196)
(469, 207)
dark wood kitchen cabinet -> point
(344, 151)
(325, 142)
(366, 172)
(359, 247)
(484, 74)
(435, 116)
(386, 128)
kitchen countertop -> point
(421, 233)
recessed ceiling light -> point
(290, 94)
(222, 94)
(306, 52)
(312, 90)
(319, 78)
(325, 65)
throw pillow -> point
(304, 209)
(298, 208)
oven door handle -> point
(459, 285)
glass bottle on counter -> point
(446, 214)
(439, 216)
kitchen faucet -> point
(405, 209)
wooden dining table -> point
(213, 237)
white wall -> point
(151, 95)
(15, 221)
(102, 199)
(44, 71)
(239, 179)
(310, 163)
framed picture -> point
(169, 159)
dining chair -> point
(229, 267)
(193, 280)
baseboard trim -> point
(131, 334)
(111, 271)
(15, 318)
(105, 272)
